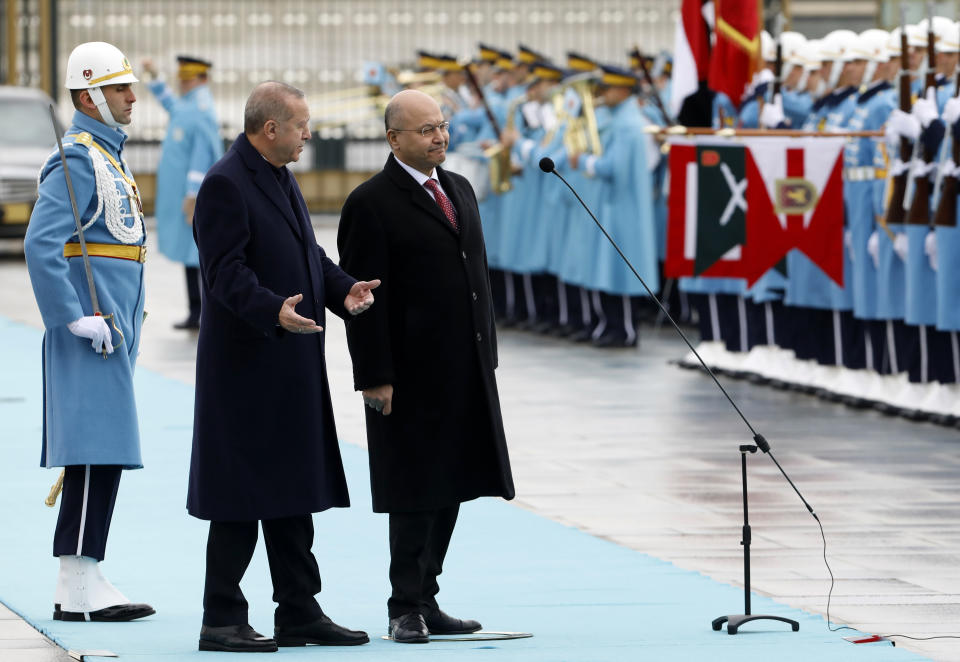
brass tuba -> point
(499, 155)
(582, 134)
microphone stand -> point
(733, 620)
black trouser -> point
(86, 508)
(193, 291)
(418, 545)
(293, 569)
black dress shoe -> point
(114, 614)
(321, 632)
(563, 330)
(441, 623)
(609, 340)
(583, 335)
(409, 629)
(235, 639)
(191, 323)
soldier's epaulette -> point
(82, 138)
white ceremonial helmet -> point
(874, 43)
(947, 35)
(893, 43)
(768, 48)
(839, 46)
(93, 65)
(917, 34)
(835, 47)
(810, 55)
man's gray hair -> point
(268, 101)
(391, 115)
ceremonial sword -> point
(76, 217)
(51, 499)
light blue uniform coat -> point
(861, 197)
(89, 411)
(626, 206)
(191, 146)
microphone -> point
(547, 165)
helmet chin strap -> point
(96, 94)
(835, 72)
(869, 72)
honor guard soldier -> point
(89, 416)
(933, 350)
(944, 252)
(864, 175)
(191, 146)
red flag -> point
(691, 52)
(736, 53)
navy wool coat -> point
(431, 334)
(264, 441)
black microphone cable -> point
(547, 165)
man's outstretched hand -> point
(293, 322)
(360, 296)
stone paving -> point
(627, 447)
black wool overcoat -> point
(264, 441)
(431, 335)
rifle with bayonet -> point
(898, 185)
(920, 204)
(949, 186)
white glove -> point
(764, 76)
(925, 110)
(902, 125)
(772, 114)
(873, 248)
(900, 246)
(951, 112)
(848, 242)
(930, 248)
(95, 328)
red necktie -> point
(443, 201)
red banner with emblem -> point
(737, 207)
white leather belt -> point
(860, 174)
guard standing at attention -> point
(89, 413)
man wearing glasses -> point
(424, 357)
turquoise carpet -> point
(584, 599)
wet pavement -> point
(628, 447)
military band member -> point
(89, 412)
(625, 168)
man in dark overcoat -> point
(264, 442)
(424, 357)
